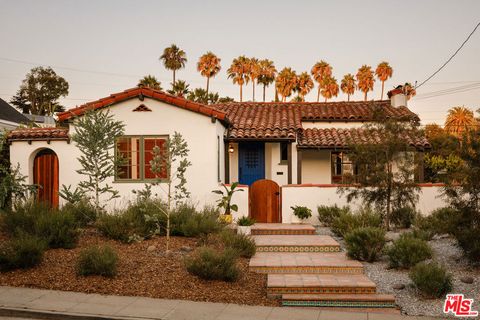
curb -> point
(52, 315)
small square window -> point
(284, 152)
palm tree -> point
(238, 72)
(319, 71)
(285, 83)
(365, 79)
(174, 59)
(179, 88)
(303, 85)
(253, 73)
(267, 74)
(348, 85)
(208, 65)
(149, 82)
(383, 73)
(329, 87)
(460, 120)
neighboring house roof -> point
(280, 120)
(32, 134)
(143, 92)
(9, 113)
(333, 138)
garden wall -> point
(313, 195)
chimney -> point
(397, 96)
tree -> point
(238, 72)
(173, 161)
(460, 120)
(174, 59)
(285, 83)
(385, 164)
(209, 66)
(149, 81)
(179, 88)
(95, 134)
(40, 91)
(201, 96)
(383, 73)
(348, 85)
(365, 79)
(319, 71)
(267, 74)
(303, 85)
(329, 87)
(253, 73)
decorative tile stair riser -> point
(282, 229)
(298, 248)
(320, 290)
(339, 304)
(324, 270)
(282, 232)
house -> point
(10, 118)
(276, 151)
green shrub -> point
(209, 264)
(431, 279)
(245, 221)
(468, 238)
(115, 226)
(23, 219)
(365, 243)
(440, 221)
(201, 224)
(347, 221)
(96, 260)
(58, 228)
(301, 212)
(403, 217)
(407, 251)
(326, 214)
(138, 212)
(24, 251)
(242, 244)
(422, 234)
(83, 212)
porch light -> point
(230, 148)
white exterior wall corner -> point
(313, 196)
(198, 130)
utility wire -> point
(449, 59)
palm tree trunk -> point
(173, 83)
(366, 95)
(253, 87)
(325, 99)
(241, 93)
(318, 94)
(208, 83)
(381, 97)
(263, 93)
(348, 97)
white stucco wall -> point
(198, 130)
(315, 195)
(316, 166)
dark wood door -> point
(45, 176)
(264, 200)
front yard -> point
(143, 270)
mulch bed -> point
(140, 273)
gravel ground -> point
(141, 272)
(447, 253)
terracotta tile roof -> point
(262, 120)
(340, 138)
(145, 92)
(31, 134)
(271, 120)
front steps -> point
(339, 300)
(304, 262)
(282, 228)
(308, 270)
(319, 284)
(296, 243)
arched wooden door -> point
(264, 200)
(45, 176)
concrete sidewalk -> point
(49, 304)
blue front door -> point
(251, 162)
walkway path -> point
(308, 270)
(49, 304)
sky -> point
(102, 47)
